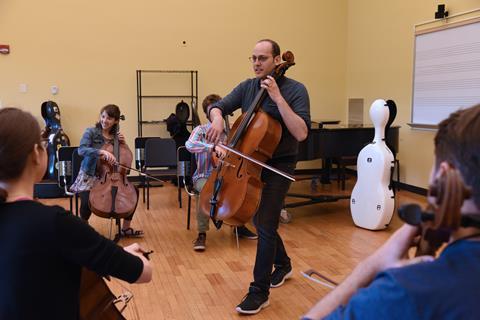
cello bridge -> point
(227, 164)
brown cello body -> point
(97, 302)
(241, 190)
(233, 191)
(113, 196)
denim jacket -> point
(90, 144)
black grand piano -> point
(329, 142)
(341, 141)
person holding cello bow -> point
(287, 102)
(389, 285)
(91, 148)
(43, 248)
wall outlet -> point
(23, 87)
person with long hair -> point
(90, 148)
(43, 248)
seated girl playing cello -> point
(94, 138)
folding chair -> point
(65, 178)
(160, 161)
(76, 164)
(140, 159)
(185, 169)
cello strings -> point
(266, 166)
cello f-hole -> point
(239, 170)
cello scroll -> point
(442, 216)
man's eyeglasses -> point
(260, 59)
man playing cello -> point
(288, 103)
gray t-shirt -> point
(294, 93)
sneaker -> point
(280, 274)
(253, 302)
(243, 232)
(199, 243)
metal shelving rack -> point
(193, 96)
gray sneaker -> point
(199, 243)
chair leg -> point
(119, 225)
(76, 204)
(397, 164)
(179, 193)
(344, 177)
(143, 189)
(339, 163)
(188, 211)
(148, 194)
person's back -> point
(29, 257)
(43, 248)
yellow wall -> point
(379, 65)
(91, 49)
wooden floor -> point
(208, 285)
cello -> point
(442, 215)
(97, 301)
(113, 196)
(233, 191)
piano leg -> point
(326, 169)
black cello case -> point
(55, 135)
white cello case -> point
(372, 201)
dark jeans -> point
(270, 248)
(85, 211)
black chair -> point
(185, 168)
(140, 159)
(160, 161)
(185, 161)
(65, 171)
(76, 164)
(140, 151)
(342, 163)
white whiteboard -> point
(446, 73)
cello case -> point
(56, 136)
(373, 201)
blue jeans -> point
(270, 248)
